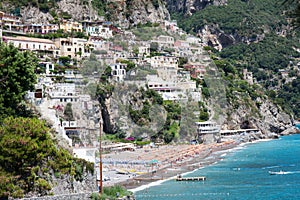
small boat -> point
(278, 173)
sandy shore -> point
(144, 166)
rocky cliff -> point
(125, 13)
(132, 12)
(188, 7)
(260, 114)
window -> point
(68, 49)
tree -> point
(28, 156)
(17, 77)
(69, 112)
(294, 12)
(154, 46)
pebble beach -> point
(133, 169)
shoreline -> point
(187, 167)
(172, 160)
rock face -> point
(34, 15)
(67, 186)
(132, 12)
(268, 118)
(188, 7)
(78, 9)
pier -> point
(200, 178)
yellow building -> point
(69, 26)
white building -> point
(167, 89)
(63, 92)
(166, 67)
(71, 76)
(99, 44)
(118, 71)
(164, 41)
(99, 31)
(208, 132)
(193, 40)
(248, 76)
(46, 67)
(171, 25)
(72, 47)
(144, 51)
(160, 61)
(43, 46)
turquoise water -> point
(242, 175)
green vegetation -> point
(43, 5)
(68, 112)
(264, 45)
(147, 33)
(29, 157)
(92, 66)
(243, 18)
(100, 6)
(289, 96)
(130, 64)
(293, 8)
(148, 97)
(111, 193)
(59, 34)
(16, 78)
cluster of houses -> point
(174, 81)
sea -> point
(241, 174)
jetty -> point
(198, 178)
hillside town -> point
(171, 61)
(145, 99)
(60, 58)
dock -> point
(199, 178)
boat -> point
(278, 173)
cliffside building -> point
(40, 28)
(208, 132)
(41, 46)
(72, 47)
(248, 76)
(118, 71)
(69, 26)
(10, 22)
(63, 92)
(99, 31)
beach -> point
(133, 169)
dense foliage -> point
(113, 192)
(243, 18)
(28, 158)
(264, 42)
(16, 78)
(289, 96)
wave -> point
(271, 167)
(284, 172)
(143, 187)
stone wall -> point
(78, 196)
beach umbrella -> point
(154, 161)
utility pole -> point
(100, 158)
